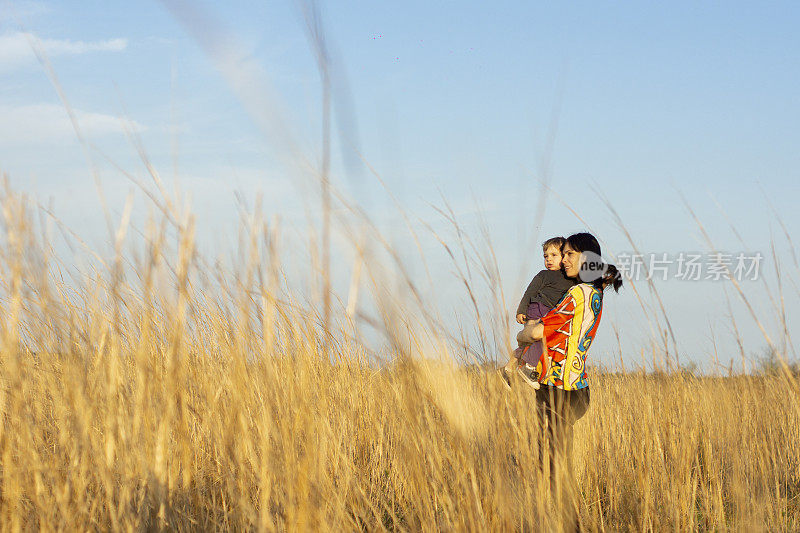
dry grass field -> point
(158, 393)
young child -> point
(542, 294)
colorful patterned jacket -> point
(568, 332)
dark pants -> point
(558, 411)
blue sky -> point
(463, 100)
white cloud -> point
(43, 123)
(16, 49)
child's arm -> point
(533, 287)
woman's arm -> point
(531, 333)
(537, 331)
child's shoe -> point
(530, 375)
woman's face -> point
(572, 261)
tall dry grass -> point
(159, 391)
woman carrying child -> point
(567, 332)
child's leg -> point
(532, 363)
(533, 354)
(515, 360)
(524, 339)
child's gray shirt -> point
(547, 288)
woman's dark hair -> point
(586, 242)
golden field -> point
(158, 393)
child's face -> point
(552, 258)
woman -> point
(567, 332)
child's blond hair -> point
(558, 242)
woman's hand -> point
(521, 318)
(537, 332)
(532, 332)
